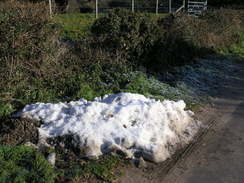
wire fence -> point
(103, 6)
(135, 6)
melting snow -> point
(127, 122)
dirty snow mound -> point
(126, 122)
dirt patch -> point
(15, 131)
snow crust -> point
(125, 122)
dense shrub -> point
(37, 67)
(23, 164)
(214, 30)
(123, 31)
(161, 45)
(141, 40)
(188, 37)
(220, 28)
(169, 51)
(26, 41)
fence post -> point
(170, 10)
(50, 7)
(156, 7)
(96, 8)
(133, 6)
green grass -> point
(105, 167)
(75, 25)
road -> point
(219, 156)
(215, 157)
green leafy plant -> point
(5, 109)
(22, 164)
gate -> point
(196, 8)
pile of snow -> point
(127, 122)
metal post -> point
(156, 7)
(170, 10)
(133, 6)
(96, 8)
(50, 7)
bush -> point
(26, 42)
(187, 37)
(172, 41)
(37, 67)
(126, 32)
(23, 164)
(214, 30)
(169, 51)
